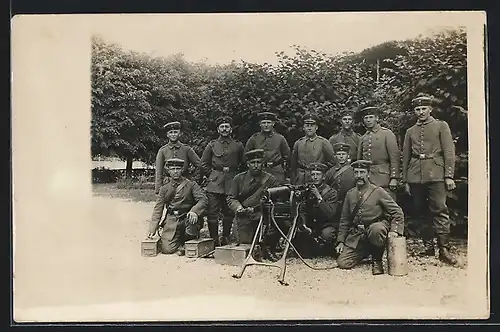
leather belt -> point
(423, 156)
(225, 169)
(381, 162)
(176, 212)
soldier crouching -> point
(369, 216)
(245, 196)
(184, 201)
(318, 232)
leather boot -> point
(213, 230)
(428, 248)
(377, 265)
(444, 249)
(226, 231)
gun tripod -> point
(259, 233)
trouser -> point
(429, 201)
(247, 226)
(320, 242)
(217, 204)
(182, 234)
(374, 236)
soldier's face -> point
(225, 129)
(341, 156)
(255, 166)
(361, 176)
(175, 172)
(346, 121)
(173, 135)
(266, 125)
(317, 177)
(423, 112)
(370, 120)
(310, 129)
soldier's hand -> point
(339, 248)
(450, 184)
(192, 218)
(240, 209)
(392, 234)
(407, 189)
(316, 193)
(150, 235)
(393, 184)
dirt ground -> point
(96, 273)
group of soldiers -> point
(352, 207)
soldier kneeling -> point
(184, 201)
(317, 232)
(369, 215)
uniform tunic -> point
(344, 182)
(306, 151)
(276, 152)
(222, 159)
(348, 137)
(378, 207)
(247, 191)
(379, 145)
(190, 198)
(169, 151)
(428, 152)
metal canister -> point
(397, 262)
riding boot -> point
(226, 230)
(377, 265)
(213, 230)
(444, 249)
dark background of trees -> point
(134, 95)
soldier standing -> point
(379, 145)
(317, 214)
(185, 201)
(428, 170)
(347, 135)
(275, 146)
(221, 159)
(309, 149)
(244, 199)
(341, 176)
(369, 215)
(173, 149)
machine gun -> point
(296, 195)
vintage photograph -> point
(252, 167)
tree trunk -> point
(128, 168)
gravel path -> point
(97, 273)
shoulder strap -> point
(325, 190)
(181, 186)
(340, 171)
(252, 190)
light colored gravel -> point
(95, 272)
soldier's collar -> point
(375, 128)
(225, 139)
(322, 186)
(311, 138)
(271, 133)
(429, 120)
(174, 145)
(347, 131)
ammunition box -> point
(231, 254)
(199, 248)
(150, 247)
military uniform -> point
(275, 146)
(309, 150)
(318, 216)
(367, 230)
(348, 137)
(179, 198)
(221, 159)
(428, 159)
(341, 178)
(379, 145)
(247, 191)
(173, 150)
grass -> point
(139, 193)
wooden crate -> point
(199, 248)
(231, 254)
(150, 247)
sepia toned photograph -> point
(237, 166)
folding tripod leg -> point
(282, 262)
(250, 260)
